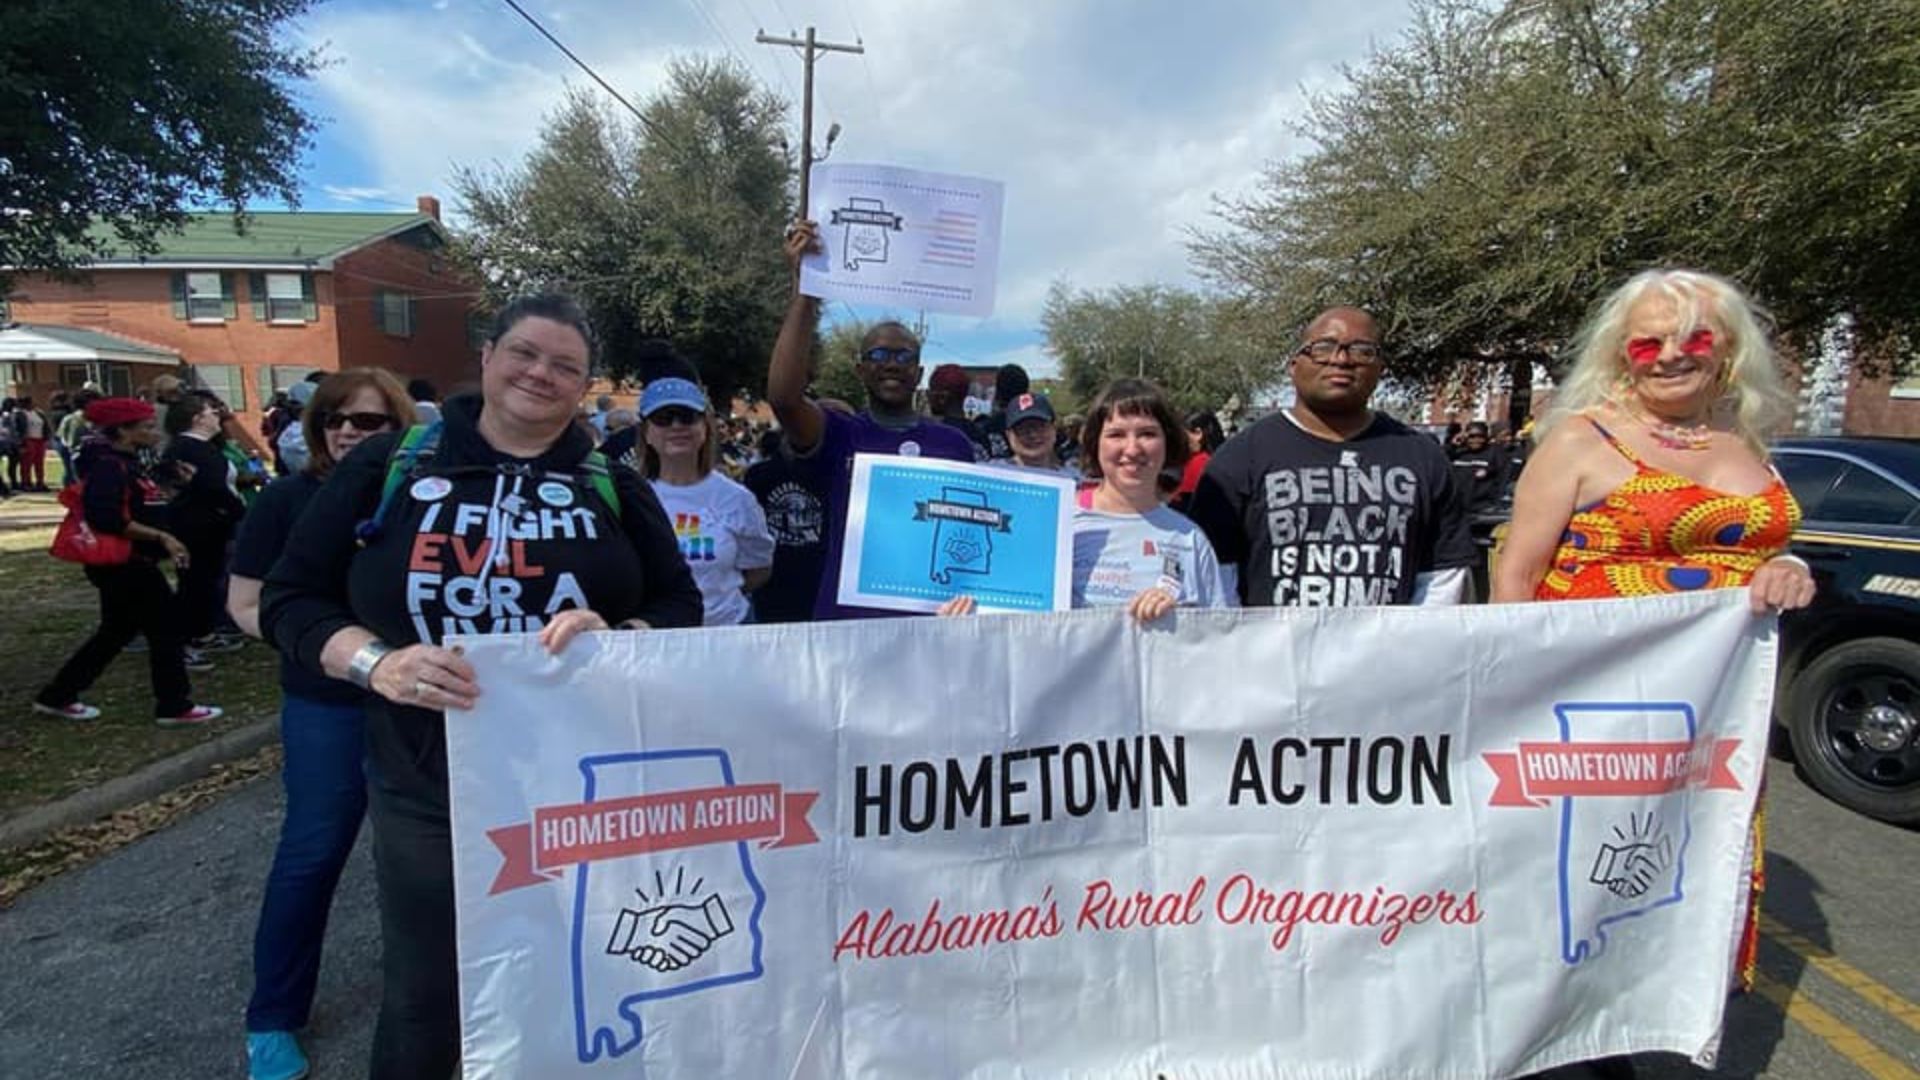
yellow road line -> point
(1826, 963)
(1852, 1045)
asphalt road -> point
(137, 965)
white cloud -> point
(349, 194)
(1114, 125)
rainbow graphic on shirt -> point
(694, 545)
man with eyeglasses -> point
(1328, 503)
(822, 441)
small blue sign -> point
(920, 532)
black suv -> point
(1850, 663)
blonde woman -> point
(1652, 475)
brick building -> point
(248, 314)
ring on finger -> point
(420, 688)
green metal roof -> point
(291, 237)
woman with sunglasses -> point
(722, 530)
(322, 726)
(1652, 478)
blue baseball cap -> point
(666, 393)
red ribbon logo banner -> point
(562, 836)
(1535, 772)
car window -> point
(1866, 498)
(1809, 477)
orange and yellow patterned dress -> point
(1662, 533)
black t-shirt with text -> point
(1481, 474)
(797, 517)
(1318, 523)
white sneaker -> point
(76, 711)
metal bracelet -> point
(365, 659)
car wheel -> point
(1854, 717)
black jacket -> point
(475, 542)
(206, 508)
(114, 491)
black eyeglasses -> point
(1323, 350)
(361, 421)
(673, 417)
(881, 354)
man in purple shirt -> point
(824, 441)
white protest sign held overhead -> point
(899, 237)
(1312, 844)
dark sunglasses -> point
(881, 354)
(361, 421)
(671, 417)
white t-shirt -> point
(1116, 557)
(722, 531)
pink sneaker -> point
(76, 711)
(198, 714)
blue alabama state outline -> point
(591, 1044)
(1572, 951)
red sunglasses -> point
(1645, 351)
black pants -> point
(201, 599)
(418, 1036)
(134, 599)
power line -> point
(753, 16)
(720, 35)
(873, 90)
(814, 49)
(604, 85)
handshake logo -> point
(1640, 860)
(669, 935)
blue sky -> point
(1113, 125)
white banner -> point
(1344, 843)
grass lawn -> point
(49, 609)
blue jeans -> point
(325, 774)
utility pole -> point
(812, 48)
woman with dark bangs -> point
(1129, 548)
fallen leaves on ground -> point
(69, 848)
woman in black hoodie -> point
(498, 519)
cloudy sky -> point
(1113, 124)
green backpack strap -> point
(601, 477)
(417, 445)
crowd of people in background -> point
(349, 531)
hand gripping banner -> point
(1312, 845)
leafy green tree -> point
(835, 374)
(132, 114)
(1481, 183)
(668, 228)
(1197, 348)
